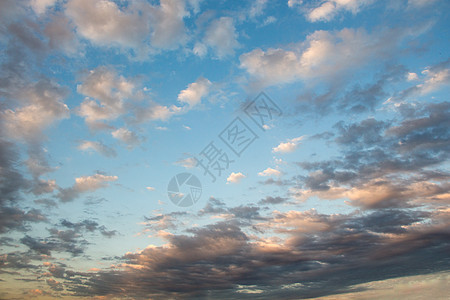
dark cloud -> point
(12, 218)
(272, 200)
(219, 260)
(386, 164)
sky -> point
(189, 149)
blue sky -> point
(342, 192)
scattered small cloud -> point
(269, 172)
(235, 177)
(289, 146)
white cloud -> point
(327, 10)
(269, 172)
(269, 20)
(273, 66)
(235, 177)
(156, 112)
(149, 188)
(187, 163)
(195, 92)
(104, 23)
(324, 55)
(109, 89)
(85, 184)
(169, 30)
(92, 183)
(126, 136)
(434, 80)
(43, 106)
(257, 8)
(200, 49)
(288, 146)
(412, 76)
(292, 3)
(40, 6)
(98, 147)
(110, 96)
(221, 36)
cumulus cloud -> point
(109, 89)
(322, 250)
(61, 35)
(17, 219)
(235, 177)
(84, 184)
(98, 147)
(221, 37)
(412, 76)
(269, 172)
(188, 163)
(40, 6)
(433, 79)
(126, 136)
(195, 91)
(104, 23)
(43, 106)
(169, 30)
(383, 165)
(289, 146)
(139, 25)
(327, 10)
(324, 55)
(110, 96)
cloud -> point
(109, 89)
(221, 37)
(327, 10)
(324, 54)
(17, 219)
(40, 6)
(154, 112)
(382, 165)
(269, 172)
(412, 76)
(98, 147)
(169, 30)
(61, 35)
(43, 107)
(13, 181)
(257, 8)
(235, 177)
(188, 163)
(84, 184)
(126, 136)
(111, 96)
(139, 25)
(436, 77)
(195, 92)
(319, 255)
(272, 200)
(104, 23)
(288, 146)
(149, 188)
